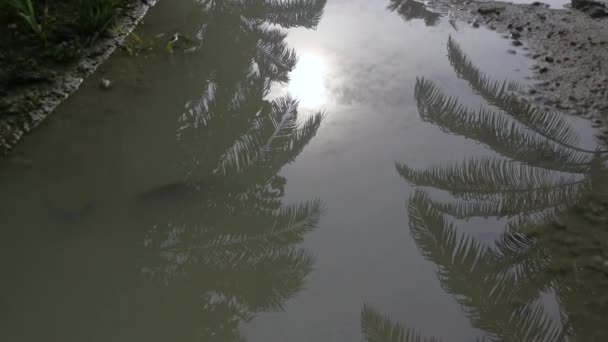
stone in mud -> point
(511, 51)
(475, 24)
(516, 43)
(543, 70)
(490, 10)
(586, 4)
(105, 84)
(598, 13)
(515, 34)
(549, 59)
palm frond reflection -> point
(540, 171)
(231, 249)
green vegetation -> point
(94, 15)
(62, 17)
(25, 9)
(36, 35)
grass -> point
(45, 28)
(25, 10)
(95, 15)
(40, 35)
(45, 18)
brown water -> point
(197, 200)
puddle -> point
(262, 186)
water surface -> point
(253, 184)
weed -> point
(64, 52)
(133, 44)
(25, 9)
(94, 16)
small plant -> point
(64, 52)
(25, 9)
(134, 44)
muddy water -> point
(263, 186)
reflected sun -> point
(307, 81)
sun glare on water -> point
(307, 81)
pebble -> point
(516, 43)
(105, 83)
(475, 24)
(543, 70)
(598, 13)
(549, 59)
(515, 34)
(511, 51)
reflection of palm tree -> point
(544, 171)
(541, 172)
(377, 328)
(232, 247)
(412, 9)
